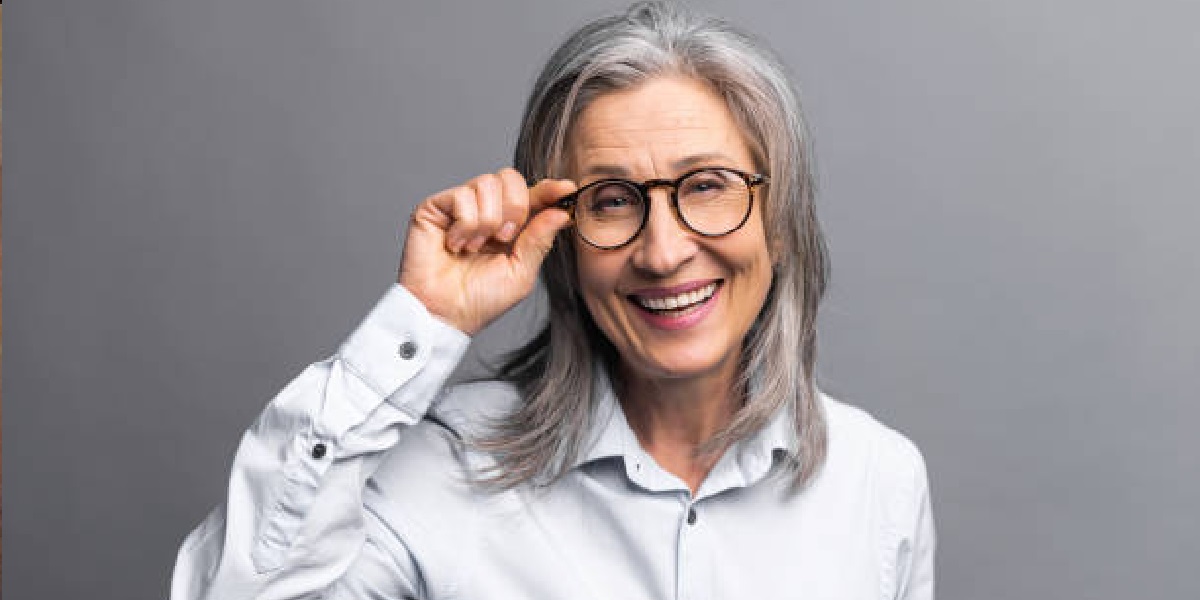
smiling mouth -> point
(677, 304)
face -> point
(661, 129)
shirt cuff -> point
(399, 353)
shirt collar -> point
(611, 436)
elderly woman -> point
(661, 437)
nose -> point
(664, 244)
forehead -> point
(656, 129)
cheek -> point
(752, 246)
(757, 263)
(598, 277)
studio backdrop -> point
(201, 198)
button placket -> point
(695, 564)
(685, 559)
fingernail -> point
(506, 231)
(476, 243)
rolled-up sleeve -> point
(293, 520)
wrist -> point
(450, 318)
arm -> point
(293, 521)
(916, 566)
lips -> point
(678, 301)
(677, 308)
(677, 298)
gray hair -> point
(555, 372)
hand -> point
(474, 251)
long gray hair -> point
(555, 372)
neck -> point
(672, 418)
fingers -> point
(497, 206)
(536, 240)
(464, 216)
(475, 212)
(489, 197)
(516, 204)
(538, 237)
(549, 191)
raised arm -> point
(294, 521)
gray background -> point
(204, 197)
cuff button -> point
(318, 451)
(408, 350)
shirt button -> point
(408, 350)
(318, 451)
(691, 519)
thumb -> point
(535, 241)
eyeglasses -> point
(712, 202)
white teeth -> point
(683, 300)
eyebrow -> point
(707, 158)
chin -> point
(678, 365)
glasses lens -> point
(714, 202)
(609, 213)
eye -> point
(614, 199)
(705, 183)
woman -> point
(660, 438)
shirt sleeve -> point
(916, 560)
(293, 521)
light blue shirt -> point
(350, 486)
